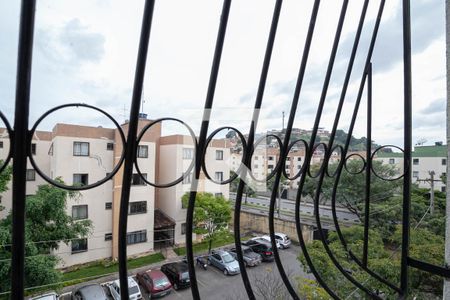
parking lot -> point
(213, 284)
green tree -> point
(211, 214)
(5, 177)
(46, 224)
(351, 187)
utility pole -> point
(431, 192)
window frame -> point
(187, 153)
(142, 154)
(137, 204)
(219, 154)
(108, 237)
(109, 146)
(81, 183)
(444, 162)
(82, 250)
(80, 153)
(108, 205)
(416, 161)
(216, 177)
(137, 233)
(183, 228)
(30, 175)
(33, 148)
(141, 180)
(76, 207)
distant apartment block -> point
(424, 160)
(83, 155)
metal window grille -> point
(22, 149)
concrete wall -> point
(251, 222)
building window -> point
(391, 161)
(256, 157)
(443, 189)
(183, 228)
(416, 174)
(80, 149)
(31, 175)
(218, 195)
(299, 167)
(1, 144)
(136, 237)
(219, 176)
(219, 155)
(33, 149)
(270, 167)
(108, 205)
(255, 167)
(79, 245)
(444, 175)
(137, 179)
(188, 153)
(110, 146)
(138, 207)
(187, 178)
(142, 151)
(415, 161)
(80, 179)
(79, 212)
(108, 237)
(444, 161)
(270, 157)
(299, 159)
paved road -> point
(305, 208)
(213, 284)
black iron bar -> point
(438, 270)
(130, 146)
(407, 145)
(346, 146)
(201, 149)
(368, 166)
(21, 143)
(250, 145)
(322, 172)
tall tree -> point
(5, 177)
(211, 214)
(47, 224)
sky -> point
(85, 52)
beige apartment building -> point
(84, 155)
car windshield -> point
(161, 282)
(132, 290)
(227, 258)
(185, 275)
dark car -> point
(251, 258)
(178, 274)
(261, 247)
(154, 282)
(89, 292)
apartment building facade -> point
(425, 159)
(82, 155)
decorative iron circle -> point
(360, 170)
(244, 151)
(323, 165)
(303, 168)
(71, 187)
(278, 164)
(10, 135)
(191, 165)
(373, 156)
(341, 153)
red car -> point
(154, 282)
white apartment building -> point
(424, 160)
(176, 154)
(84, 155)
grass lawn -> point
(203, 246)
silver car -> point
(89, 292)
(224, 261)
(251, 258)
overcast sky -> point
(85, 51)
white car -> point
(283, 240)
(49, 296)
(267, 239)
(134, 292)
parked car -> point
(177, 273)
(47, 296)
(134, 292)
(267, 239)
(89, 292)
(262, 247)
(283, 239)
(154, 282)
(251, 258)
(224, 261)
